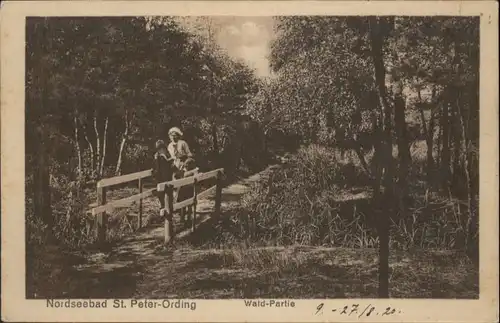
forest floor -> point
(140, 266)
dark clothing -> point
(165, 171)
(162, 172)
(162, 168)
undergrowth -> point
(324, 199)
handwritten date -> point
(357, 310)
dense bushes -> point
(306, 202)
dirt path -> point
(117, 272)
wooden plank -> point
(124, 178)
(169, 223)
(139, 220)
(189, 180)
(206, 192)
(182, 182)
(180, 205)
(218, 194)
(191, 172)
(203, 176)
(101, 219)
(195, 203)
(198, 197)
(176, 183)
(123, 202)
(184, 203)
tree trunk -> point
(377, 167)
(421, 110)
(41, 180)
(41, 174)
(429, 136)
(122, 146)
(430, 148)
(473, 137)
(403, 146)
(445, 151)
(104, 141)
(98, 145)
(77, 147)
(376, 40)
(439, 146)
(118, 169)
(215, 142)
(91, 147)
(471, 174)
(467, 162)
(456, 181)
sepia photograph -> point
(175, 158)
(347, 150)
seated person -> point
(179, 151)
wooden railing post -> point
(139, 219)
(102, 217)
(195, 202)
(169, 204)
(218, 194)
(254, 226)
(182, 213)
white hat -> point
(175, 130)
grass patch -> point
(306, 272)
(322, 198)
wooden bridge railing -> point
(102, 208)
(171, 204)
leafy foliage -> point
(101, 91)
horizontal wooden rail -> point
(176, 183)
(102, 207)
(123, 202)
(124, 178)
(207, 191)
(203, 176)
(183, 204)
(191, 172)
(189, 180)
(190, 201)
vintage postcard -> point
(288, 161)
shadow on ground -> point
(299, 272)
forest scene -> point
(351, 164)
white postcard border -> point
(16, 308)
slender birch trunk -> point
(122, 146)
(104, 141)
(466, 158)
(91, 147)
(77, 146)
(98, 145)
